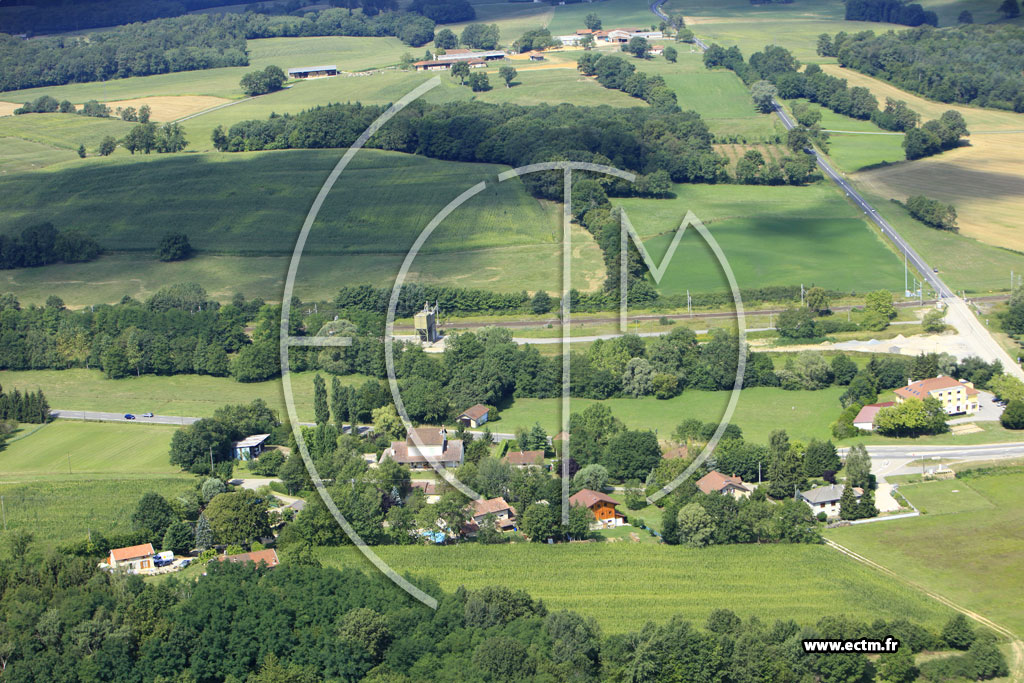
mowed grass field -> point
(967, 547)
(623, 585)
(760, 411)
(255, 203)
(88, 448)
(179, 395)
(20, 155)
(718, 95)
(614, 14)
(770, 236)
(63, 131)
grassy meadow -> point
(88, 448)
(770, 235)
(623, 586)
(24, 155)
(62, 131)
(614, 14)
(966, 547)
(184, 395)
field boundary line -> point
(1017, 669)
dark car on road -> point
(129, 416)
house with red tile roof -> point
(523, 459)
(504, 514)
(716, 482)
(866, 417)
(475, 416)
(269, 556)
(425, 446)
(132, 558)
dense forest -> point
(971, 64)
(62, 620)
(890, 11)
(642, 139)
(184, 43)
(41, 245)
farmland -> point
(623, 588)
(614, 13)
(966, 548)
(770, 235)
(110, 198)
(67, 509)
(65, 131)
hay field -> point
(66, 131)
(169, 107)
(984, 181)
(7, 108)
(623, 585)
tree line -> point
(362, 627)
(641, 140)
(29, 406)
(778, 72)
(891, 12)
(43, 244)
(52, 16)
(184, 43)
(620, 74)
(968, 64)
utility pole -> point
(69, 463)
(758, 471)
(801, 294)
(3, 508)
(906, 284)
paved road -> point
(119, 417)
(612, 335)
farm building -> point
(536, 57)
(656, 50)
(715, 481)
(462, 54)
(304, 72)
(424, 446)
(269, 556)
(250, 447)
(523, 459)
(132, 558)
(866, 417)
(624, 35)
(442, 64)
(601, 505)
(826, 498)
(956, 396)
(475, 416)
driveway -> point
(988, 411)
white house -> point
(133, 558)
(826, 498)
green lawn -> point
(804, 414)
(66, 510)
(254, 203)
(770, 236)
(89, 448)
(623, 585)
(184, 395)
(966, 548)
(864, 145)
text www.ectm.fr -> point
(890, 644)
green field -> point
(66, 131)
(24, 155)
(770, 236)
(864, 145)
(88, 448)
(254, 203)
(614, 14)
(967, 547)
(624, 586)
(795, 26)
(67, 510)
(804, 414)
(718, 95)
(181, 395)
